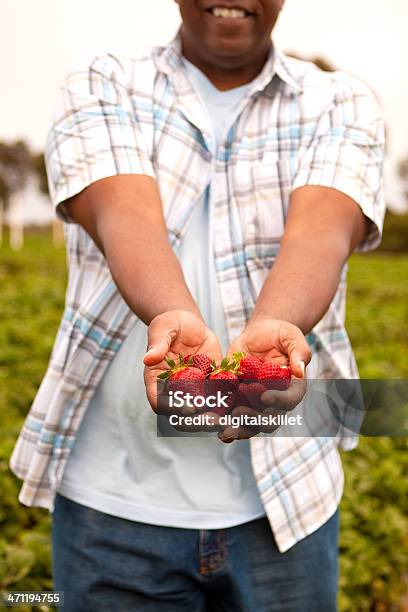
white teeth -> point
(219, 11)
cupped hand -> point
(276, 341)
(282, 343)
(174, 333)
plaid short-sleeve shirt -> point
(137, 113)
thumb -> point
(298, 351)
(161, 334)
(299, 358)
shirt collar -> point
(277, 64)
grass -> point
(377, 314)
(374, 509)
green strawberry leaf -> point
(225, 362)
(164, 375)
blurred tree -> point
(4, 192)
(16, 165)
(39, 169)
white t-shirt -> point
(118, 464)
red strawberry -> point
(188, 380)
(202, 362)
(227, 370)
(252, 392)
(221, 411)
(241, 399)
(274, 376)
(249, 366)
(183, 377)
(251, 389)
(223, 379)
(223, 375)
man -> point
(213, 191)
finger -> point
(265, 427)
(288, 399)
(299, 359)
(240, 411)
(234, 348)
(161, 335)
(157, 392)
(162, 403)
(230, 434)
(241, 432)
(153, 392)
(186, 410)
(295, 346)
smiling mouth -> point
(228, 13)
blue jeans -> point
(103, 563)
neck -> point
(223, 77)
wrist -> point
(264, 323)
(177, 318)
(261, 317)
(267, 318)
(176, 311)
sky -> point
(42, 39)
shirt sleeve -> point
(95, 133)
(346, 152)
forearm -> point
(303, 280)
(123, 215)
(323, 228)
(145, 268)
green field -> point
(374, 533)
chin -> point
(230, 50)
